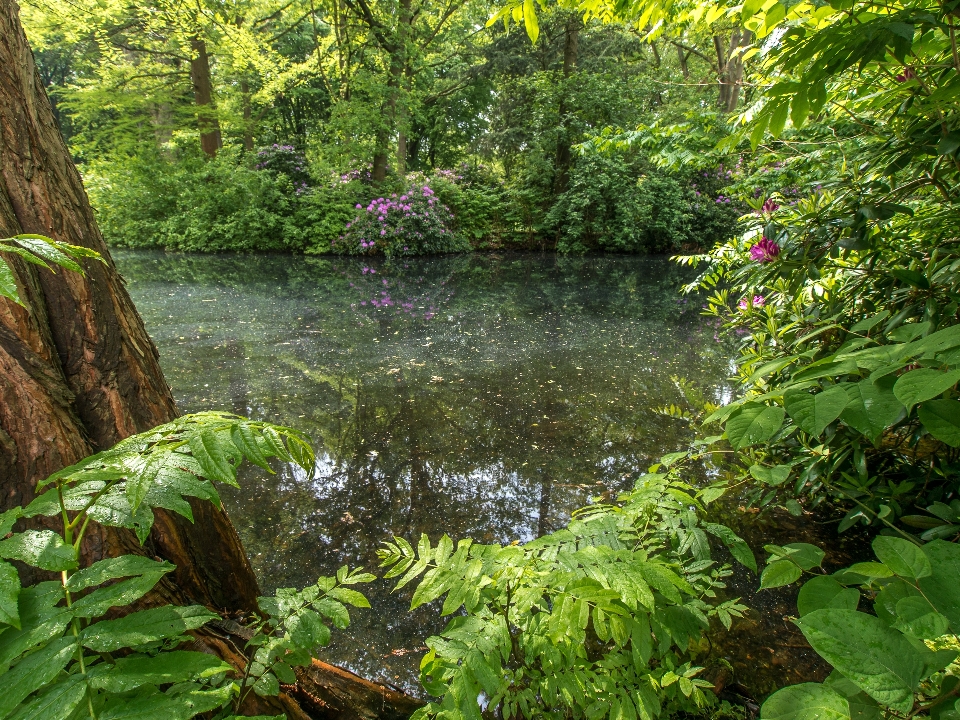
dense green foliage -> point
(899, 660)
(60, 656)
(307, 94)
(594, 620)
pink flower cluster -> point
(758, 301)
(765, 251)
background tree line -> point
(261, 125)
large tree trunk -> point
(78, 371)
(207, 122)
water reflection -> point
(480, 396)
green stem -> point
(865, 508)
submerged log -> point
(78, 373)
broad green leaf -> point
(807, 701)
(753, 423)
(8, 519)
(941, 418)
(35, 671)
(114, 568)
(774, 476)
(923, 384)
(941, 587)
(207, 448)
(530, 21)
(56, 701)
(870, 570)
(246, 440)
(350, 597)
(824, 592)
(42, 549)
(917, 618)
(8, 283)
(145, 626)
(267, 685)
(307, 630)
(805, 555)
(118, 594)
(903, 557)
(778, 574)
(181, 702)
(814, 412)
(872, 407)
(878, 659)
(9, 595)
(168, 667)
(735, 544)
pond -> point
(485, 396)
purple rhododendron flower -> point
(769, 206)
(765, 251)
(758, 301)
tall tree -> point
(78, 371)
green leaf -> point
(903, 557)
(307, 630)
(917, 618)
(941, 418)
(941, 587)
(114, 568)
(267, 685)
(42, 549)
(824, 592)
(805, 555)
(773, 476)
(878, 659)
(118, 594)
(206, 447)
(8, 283)
(530, 20)
(145, 626)
(923, 384)
(872, 407)
(753, 423)
(56, 701)
(246, 440)
(9, 595)
(735, 544)
(814, 412)
(169, 667)
(350, 597)
(34, 671)
(8, 519)
(870, 570)
(778, 574)
(807, 701)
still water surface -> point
(482, 396)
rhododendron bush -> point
(414, 222)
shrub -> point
(415, 223)
(595, 619)
(285, 160)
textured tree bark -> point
(78, 371)
(207, 122)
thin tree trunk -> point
(571, 45)
(207, 122)
(247, 116)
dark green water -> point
(480, 396)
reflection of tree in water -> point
(531, 390)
